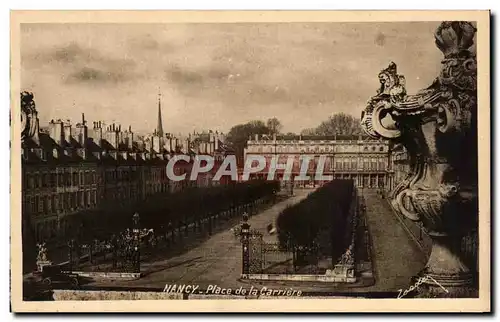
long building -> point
(72, 173)
(366, 161)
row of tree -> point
(337, 124)
(197, 203)
(178, 208)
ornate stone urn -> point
(438, 128)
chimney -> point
(82, 131)
(56, 131)
(67, 131)
(130, 138)
(98, 133)
(216, 141)
(157, 144)
(166, 145)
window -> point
(75, 179)
(381, 165)
(354, 165)
(374, 165)
(27, 205)
(38, 205)
(381, 149)
(346, 165)
(37, 181)
(338, 165)
(33, 206)
(31, 182)
(61, 202)
(45, 202)
(53, 203)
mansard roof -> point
(338, 137)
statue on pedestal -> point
(438, 128)
(42, 259)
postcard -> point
(258, 161)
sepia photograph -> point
(291, 161)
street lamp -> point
(137, 255)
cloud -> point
(88, 74)
(86, 65)
(183, 77)
(298, 72)
(67, 54)
(380, 39)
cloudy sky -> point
(213, 76)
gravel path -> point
(218, 260)
(396, 257)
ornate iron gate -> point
(262, 257)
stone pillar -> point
(434, 125)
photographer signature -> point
(419, 282)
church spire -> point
(159, 127)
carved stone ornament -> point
(438, 128)
(29, 116)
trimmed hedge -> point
(319, 220)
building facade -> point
(366, 161)
(401, 163)
(70, 173)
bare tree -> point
(274, 125)
(340, 123)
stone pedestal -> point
(446, 274)
(41, 264)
